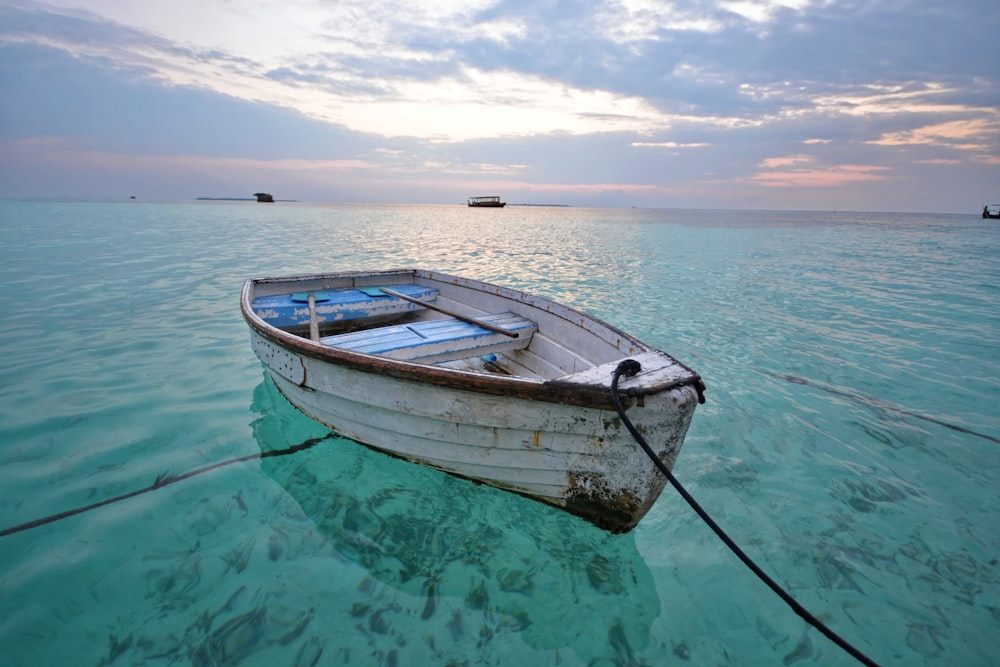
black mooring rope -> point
(630, 367)
(160, 482)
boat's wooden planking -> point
(565, 343)
(555, 452)
(434, 341)
(291, 310)
(657, 369)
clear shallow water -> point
(849, 444)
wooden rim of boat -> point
(596, 396)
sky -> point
(874, 105)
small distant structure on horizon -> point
(263, 198)
(486, 202)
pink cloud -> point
(957, 134)
(819, 178)
(776, 162)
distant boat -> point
(486, 202)
(263, 198)
(484, 382)
(991, 211)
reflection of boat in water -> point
(483, 570)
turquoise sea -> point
(850, 443)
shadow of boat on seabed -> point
(482, 565)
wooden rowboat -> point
(478, 380)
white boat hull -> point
(577, 457)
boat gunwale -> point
(556, 390)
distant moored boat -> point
(486, 202)
(991, 211)
(263, 198)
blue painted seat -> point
(434, 341)
(292, 310)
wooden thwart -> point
(292, 311)
(434, 341)
(463, 318)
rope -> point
(858, 398)
(630, 367)
(160, 482)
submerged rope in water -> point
(866, 400)
(630, 367)
(794, 379)
(160, 482)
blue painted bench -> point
(292, 310)
(434, 341)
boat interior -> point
(415, 323)
(420, 317)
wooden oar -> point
(464, 318)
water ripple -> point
(848, 442)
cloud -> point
(476, 104)
(461, 103)
(963, 135)
(663, 97)
(668, 144)
(495, 69)
(777, 162)
(828, 177)
(71, 154)
(801, 171)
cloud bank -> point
(877, 104)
